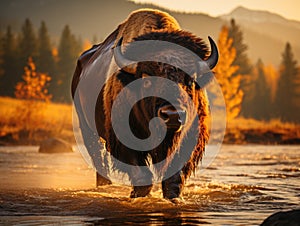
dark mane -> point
(183, 38)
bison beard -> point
(156, 26)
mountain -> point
(265, 33)
(258, 16)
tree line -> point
(251, 90)
(56, 62)
(256, 90)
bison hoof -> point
(171, 191)
(170, 195)
(177, 201)
(140, 191)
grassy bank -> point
(244, 131)
(24, 122)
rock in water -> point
(55, 145)
(288, 218)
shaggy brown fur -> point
(148, 25)
(144, 21)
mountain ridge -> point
(249, 16)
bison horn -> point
(202, 66)
(125, 64)
(214, 55)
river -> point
(242, 186)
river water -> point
(242, 186)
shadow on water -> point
(153, 219)
(134, 219)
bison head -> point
(176, 112)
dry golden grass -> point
(242, 123)
(241, 130)
(33, 121)
(25, 122)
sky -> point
(289, 9)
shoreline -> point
(20, 125)
(233, 136)
(262, 136)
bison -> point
(176, 114)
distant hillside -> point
(89, 18)
(252, 17)
(265, 33)
(86, 18)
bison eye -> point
(147, 83)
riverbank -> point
(29, 123)
(250, 131)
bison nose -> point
(173, 118)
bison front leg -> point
(141, 178)
(172, 186)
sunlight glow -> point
(288, 9)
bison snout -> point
(173, 118)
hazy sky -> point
(288, 8)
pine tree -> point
(1, 58)
(34, 84)
(10, 64)
(272, 80)
(45, 60)
(261, 103)
(68, 52)
(288, 90)
(225, 71)
(27, 43)
(245, 67)
(242, 60)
